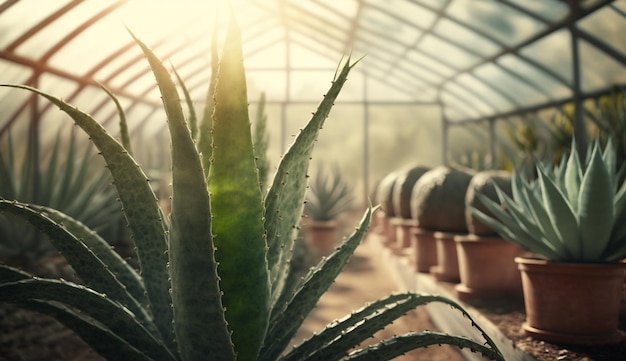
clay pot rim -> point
(479, 238)
(542, 261)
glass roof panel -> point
(549, 10)
(607, 25)
(487, 94)
(510, 86)
(39, 43)
(449, 54)
(20, 16)
(428, 63)
(553, 52)
(109, 34)
(14, 73)
(459, 34)
(599, 69)
(549, 86)
(411, 11)
(503, 22)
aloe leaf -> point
(10, 274)
(609, 157)
(102, 340)
(192, 119)
(25, 185)
(287, 319)
(509, 227)
(205, 138)
(617, 240)
(116, 264)
(86, 264)
(285, 198)
(197, 301)
(67, 175)
(399, 345)
(533, 237)
(358, 331)
(8, 176)
(561, 215)
(141, 210)
(237, 206)
(573, 175)
(596, 207)
(111, 314)
(520, 214)
(46, 188)
(338, 327)
(124, 134)
(534, 200)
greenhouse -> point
(186, 180)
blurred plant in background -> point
(69, 184)
(609, 116)
(329, 195)
(261, 141)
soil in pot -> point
(572, 303)
(487, 267)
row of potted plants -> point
(560, 237)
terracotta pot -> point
(378, 222)
(423, 251)
(390, 239)
(447, 268)
(321, 237)
(572, 303)
(487, 267)
(403, 233)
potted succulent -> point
(401, 202)
(438, 207)
(328, 197)
(487, 265)
(384, 197)
(213, 280)
(573, 217)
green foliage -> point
(66, 182)
(213, 281)
(329, 195)
(574, 212)
(609, 115)
(261, 143)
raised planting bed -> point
(501, 318)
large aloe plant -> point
(575, 212)
(213, 278)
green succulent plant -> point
(329, 195)
(70, 185)
(213, 279)
(574, 212)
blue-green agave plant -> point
(213, 279)
(575, 212)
